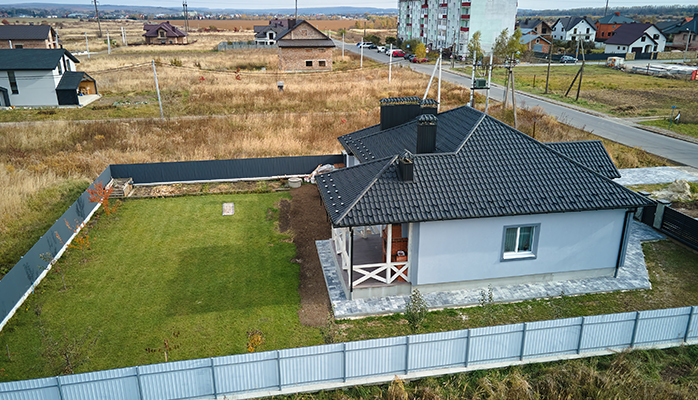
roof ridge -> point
(370, 184)
(470, 134)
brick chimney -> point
(426, 133)
(617, 13)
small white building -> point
(441, 23)
(567, 28)
(636, 38)
(41, 77)
(461, 200)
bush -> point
(416, 311)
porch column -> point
(389, 251)
(351, 263)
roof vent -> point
(426, 133)
(405, 167)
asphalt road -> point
(604, 126)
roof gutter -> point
(623, 241)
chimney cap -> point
(400, 100)
(430, 102)
(427, 119)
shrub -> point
(416, 310)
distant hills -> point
(87, 8)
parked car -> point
(398, 53)
(568, 59)
(372, 46)
(419, 60)
(363, 44)
(380, 49)
(409, 57)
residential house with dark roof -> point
(164, 33)
(535, 42)
(28, 37)
(636, 38)
(267, 34)
(566, 28)
(606, 25)
(461, 200)
(303, 47)
(536, 26)
(42, 77)
(685, 35)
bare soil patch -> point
(689, 208)
(309, 223)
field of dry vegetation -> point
(210, 114)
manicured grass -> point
(163, 266)
(686, 129)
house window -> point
(520, 242)
(655, 47)
(60, 68)
(321, 63)
(643, 39)
(587, 30)
(13, 82)
(19, 46)
(161, 34)
(309, 63)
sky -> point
(261, 4)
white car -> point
(380, 49)
(363, 44)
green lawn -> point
(686, 129)
(161, 266)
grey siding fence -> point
(17, 284)
(222, 46)
(377, 360)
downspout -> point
(351, 263)
(623, 240)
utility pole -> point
(342, 46)
(606, 9)
(390, 65)
(295, 16)
(472, 81)
(108, 43)
(489, 83)
(438, 92)
(550, 59)
(157, 88)
(99, 24)
(186, 16)
(123, 36)
(87, 46)
(362, 51)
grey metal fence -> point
(371, 361)
(17, 284)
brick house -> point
(606, 25)
(164, 33)
(304, 48)
(28, 37)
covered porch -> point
(374, 261)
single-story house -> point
(267, 34)
(303, 47)
(164, 33)
(566, 28)
(606, 25)
(461, 200)
(686, 33)
(28, 37)
(535, 42)
(42, 77)
(636, 38)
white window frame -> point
(322, 61)
(311, 63)
(530, 254)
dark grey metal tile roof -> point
(590, 154)
(498, 171)
(32, 59)
(372, 144)
(627, 34)
(24, 32)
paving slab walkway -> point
(647, 176)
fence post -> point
(523, 342)
(138, 381)
(344, 360)
(581, 334)
(659, 214)
(467, 349)
(60, 388)
(637, 322)
(213, 378)
(278, 369)
(407, 355)
(688, 326)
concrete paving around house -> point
(647, 176)
(632, 276)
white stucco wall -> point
(466, 250)
(491, 17)
(582, 26)
(36, 88)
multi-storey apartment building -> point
(441, 23)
